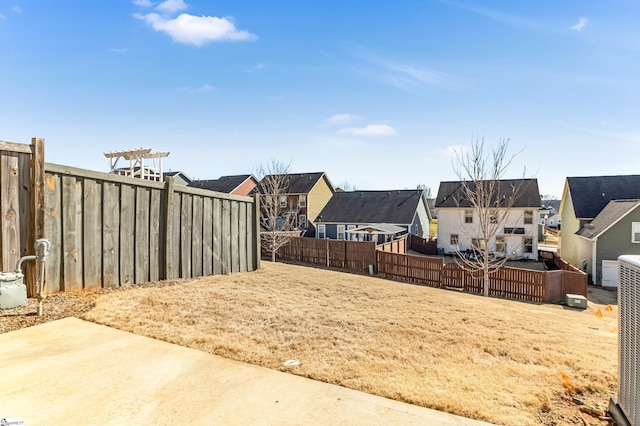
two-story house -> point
(305, 195)
(515, 218)
(374, 215)
(596, 231)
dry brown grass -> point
(495, 360)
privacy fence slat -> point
(10, 209)
(72, 233)
(92, 233)
(141, 246)
(111, 234)
(53, 231)
(154, 235)
(196, 238)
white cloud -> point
(143, 3)
(171, 6)
(408, 77)
(369, 130)
(342, 119)
(453, 151)
(202, 89)
(498, 15)
(16, 9)
(196, 30)
(257, 67)
(582, 22)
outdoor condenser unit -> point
(629, 339)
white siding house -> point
(517, 233)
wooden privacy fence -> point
(108, 230)
(352, 255)
(421, 245)
(506, 282)
(396, 246)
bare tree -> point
(426, 189)
(278, 215)
(491, 199)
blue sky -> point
(377, 94)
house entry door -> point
(609, 273)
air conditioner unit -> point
(629, 338)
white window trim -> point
(322, 229)
(635, 229)
(525, 214)
(350, 236)
(468, 216)
(340, 230)
(283, 201)
(302, 220)
(302, 204)
(524, 244)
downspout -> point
(594, 251)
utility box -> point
(13, 292)
(576, 301)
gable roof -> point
(224, 184)
(591, 194)
(611, 214)
(451, 194)
(178, 173)
(303, 183)
(392, 207)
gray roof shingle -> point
(450, 194)
(591, 194)
(303, 183)
(360, 207)
(610, 214)
(224, 184)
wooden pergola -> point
(137, 167)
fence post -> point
(256, 230)
(170, 245)
(36, 221)
(326, 244)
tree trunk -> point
(486, 278)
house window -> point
(478, 243)
(528, 217)
(468, 216)
(351, 236)
(528, 245)
(283, 201)
(341, 232)
(302, 221)
(500, 245)
(635, 232)
(453, 239)
(322, 233)
(302, 201)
